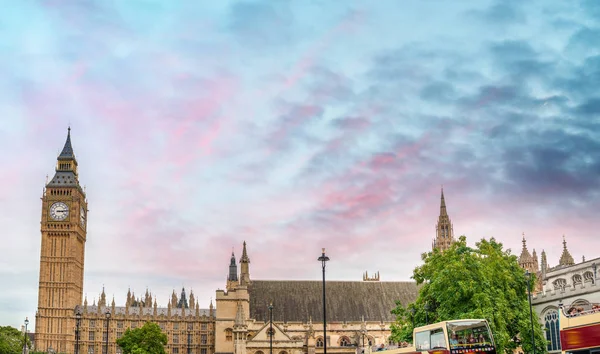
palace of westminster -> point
(358, 312)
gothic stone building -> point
(358, 312)
(60, 295)
(567, 283)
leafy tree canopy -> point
(11, 340)
(482, 282)
(147, 339)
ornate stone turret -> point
(444, 229)
(245, 267)
(155, 312)
(183, 303)
(366, 276)
(197, 309)
(112, 305)
(128, 302)
(526, 260)
(566, 259)
(535, 260)
(544, 266)
(147, 299)
(232, 278)
(211, 309)
(240, 331)
(102, 301)
(85, 305)
(192, 299)
(174, 299)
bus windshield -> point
(469, 334)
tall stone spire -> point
(245, 267)
(526, 259)
(232, 278)
(444, 229)
(183, 303)
(66, 167)
(232, 269)
(566, 259)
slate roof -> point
(346, 300)
(120, 310)
(63, 179)
(67, 151)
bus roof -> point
(445, 323)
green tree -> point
(147, 339)
(481, 282)
(12, 340)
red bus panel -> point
(580, 338)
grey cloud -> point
(438, 91)
(589, 107)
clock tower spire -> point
(63, 236)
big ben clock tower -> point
(63, 229)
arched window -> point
(588, 277)
(319, 342)
(283, 352)
(560, 284)
(259, 352)
(577, 279)
(552, 330)
(345, 342)
(228, 335)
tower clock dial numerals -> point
(82, 216)
(59, 211)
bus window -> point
(438, 341)
(469, 334)
(422, 340)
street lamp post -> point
(107, 321)
(323, 259)
(25, 336)
(77, 325)
(271, 327)
(364, 332)
(530, 310)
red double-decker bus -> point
(580, 328)
(451, 337)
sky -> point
(295, 125)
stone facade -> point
(60, 296)
(63, 236)
(187, 326)
(358, 314)
(568, 283)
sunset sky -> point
(295, 125)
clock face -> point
(82, 216)
(59, 211)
